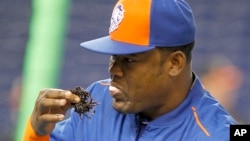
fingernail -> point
(77, 99)
(60, 117)
(62, 102)
(67, 94)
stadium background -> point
(222, 28)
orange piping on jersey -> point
(199, 123)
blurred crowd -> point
(221, 30)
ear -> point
(177, 61)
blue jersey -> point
(199, 118)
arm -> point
(31, 135)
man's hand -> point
(50, 108)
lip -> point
(114, 91)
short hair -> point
(186, 49)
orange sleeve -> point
(31, 135)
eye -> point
(129, 60)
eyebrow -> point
(136, 54)
(131, 55)
(127, 55)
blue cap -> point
(141, 25)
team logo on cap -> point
(116, 19)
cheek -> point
(145, 85)
(149, 86)
(142, 91)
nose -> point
(115, 67)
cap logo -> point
(117, 17)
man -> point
(152, 94)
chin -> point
(121, 107)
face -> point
(139, 82)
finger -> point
(61, 94)
(54, 93)
(48, 118)
(54, 106)
(67, 106)
(72, 97)
(52, 103)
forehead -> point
(145, 53)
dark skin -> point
(50, 108)
(149, 84)
(146, 83)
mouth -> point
(114, 91)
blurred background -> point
(221, 56)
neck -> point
(173, 98)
